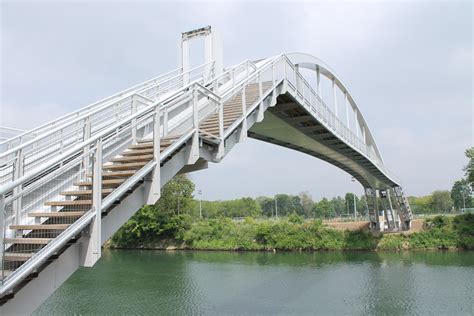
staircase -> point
(233, 109)
(48, 201)
(405, 210)
(73, 204)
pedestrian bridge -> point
(68, 185)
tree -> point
(461, 194)
(349, 202)
(470, 166)
(161, 219)
(362, 205)
(176, 195)
(441, 201)
(322, 209)
(307, 203)
(422, 204)
(338, 207)
(267, 205)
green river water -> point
(135, 282)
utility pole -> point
(464, 199)
(276, 207)
(199, 192)
(355, 207)
(179, 195)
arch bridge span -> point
(68, 185)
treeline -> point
(460, 197)
(281, 205)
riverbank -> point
(292, 234)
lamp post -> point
(276, 207)
(199, 192)
(355, 205)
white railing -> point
(9, 132)
(45, 182)
(113, 129)
(19, 138)
(64, 134)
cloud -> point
(408, 65)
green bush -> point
(463, 225)
(150, 225)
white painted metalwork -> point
(37, 170)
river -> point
(136, 282)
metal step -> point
(68, 203)
(115, 174)
(83, 193)
(40, 227)
(133, 158)
(110, 182)
(17, 256)
(25, 240)
(125, 166)
(57, 214)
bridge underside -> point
(290, 125)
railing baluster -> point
(134, 120)
(17, 174)
(86, 136)
(2, 233)
(165, 122)
(273, 73)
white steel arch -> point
(313, 63)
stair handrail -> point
(44, 253)
(122, 97)
(8, 187)
(86, 108)
(70, 232)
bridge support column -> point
(93, 242)
(212, 52)
(185, 60)
(372, 205)
(388, 211)
(396, 218)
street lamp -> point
(199, 192)
(355, 205)
(276, 207)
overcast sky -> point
(408, 64)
